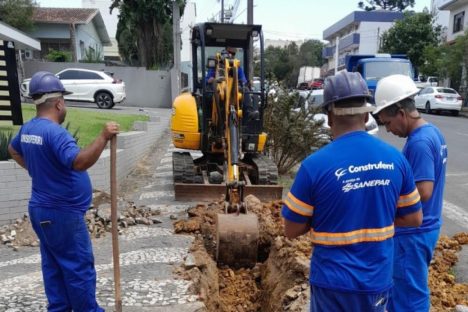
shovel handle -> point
(115, 226)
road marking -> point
(456, 214)
(461, 133)
(156, 194)
(459, 174)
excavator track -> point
(267, 170)
(184, 169)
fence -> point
(144, 88)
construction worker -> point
(426, 152)
(249, 105)
(61, 194)
(349, 195)
(229, 52)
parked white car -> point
(315, 99)
(438, 99)
(89, 86)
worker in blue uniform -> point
(249, 106)
(349, 196)
(426, 152)
(61, 194)
(230, 53)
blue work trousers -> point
(67, 260)
(412, 257)
(327, 300)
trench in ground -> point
(279, 281)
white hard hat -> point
(392, 89)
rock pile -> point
(98, 220)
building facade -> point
(69, 29)
(457, 19)
(111, 20)
(359, 32)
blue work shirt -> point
(49, 151)
(350, 192)
(426, 152)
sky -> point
(280, 19)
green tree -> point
(292, 132)
(410, 36)
(283, 63)
(310, 53)
(93, 55)
(277, 63)
(144, 31)
(388, 5)
(18, 13)
(454, 61)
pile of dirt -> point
(276, 283)
(445, 291)
(279, 281)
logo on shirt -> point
(31, 139)
(364, 184)
(340, 172)
(369, 167)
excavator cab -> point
(223, 119)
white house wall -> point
(186, 23)
(51, 31)
(370, 32)
(87, 33)
(450, 35)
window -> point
(90, 75)
(47, 45)
(69, 74)
(458, 21)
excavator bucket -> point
(209, 192)
(237, 240)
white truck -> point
(307, 74)
(428, 81)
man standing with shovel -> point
(61, 194)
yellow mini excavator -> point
(223, 118)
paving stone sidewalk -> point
(148, 254)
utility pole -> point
(175, 72)
(222, 11)
(250, 21)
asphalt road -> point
(455, 130)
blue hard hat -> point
(344, 85)
(44, 82)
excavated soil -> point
(279, 281)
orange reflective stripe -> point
(409, 199)
(346, 238)
(298, 206)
